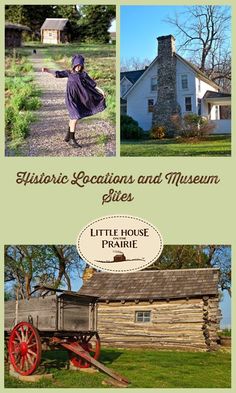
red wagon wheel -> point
(90, 344)
(24, 348)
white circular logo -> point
(119, 244)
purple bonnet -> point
(77, 60)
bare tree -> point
(134, 63)
(204, 35)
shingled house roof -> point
(152, 284)
(132, 76)
(216, 94)
(54, 24)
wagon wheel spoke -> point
(32, 352)
(17, 335)
(27, 363)
(31, 345)
(22, 362)
(29, 359)
(27, 335)
(22, 334)
(30, 337)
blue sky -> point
(141, 25)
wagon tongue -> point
(78, 350)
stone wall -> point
(167, 104)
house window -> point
(216, 112)
(123, 107)
(199, 106)
(143, 316)
(188, 104)
(184, 81)
(150, 104)
(154, 83)
(50, 34)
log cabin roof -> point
(153, 284)
(54, 24)
(16, 26)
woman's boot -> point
(67, 137)
(72, 141)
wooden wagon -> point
(61, 319)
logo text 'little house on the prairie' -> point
(119, 237)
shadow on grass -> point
(109, 356)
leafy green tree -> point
(32, 16)
(72, 14)
(95, 21)
(197, 256)
(51, 265)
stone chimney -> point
(88, 273)
(166, 105)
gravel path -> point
(46, 137)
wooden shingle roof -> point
(152, 284)
(54, 24)
(16, 26)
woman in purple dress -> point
(83, 97)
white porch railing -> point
(222, 126)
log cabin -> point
(55, 31)
(161, 309)
(13, 34)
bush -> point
(20, 128)
(192, 125)
(129, 128)
(157, 132)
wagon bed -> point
(60, 312)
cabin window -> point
(150, 104)
(154, 83)
(188, 104)
(199, 106)
(184, 81)
(143, 316)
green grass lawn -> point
(213, 145)
(144, 369)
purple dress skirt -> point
(82, 98)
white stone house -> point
(170, 85)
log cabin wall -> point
(12, 38)
(175, 324)
(50, 37)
